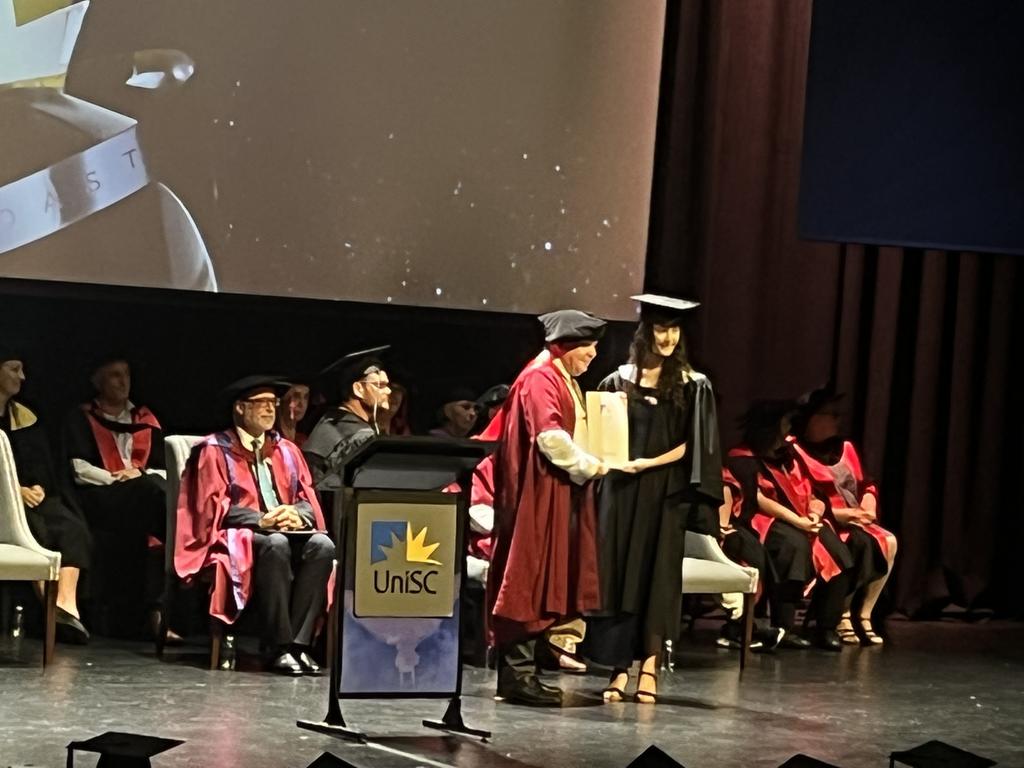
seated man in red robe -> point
(248, 511)
(116, 452)
(544, 566)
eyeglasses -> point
(258, 402)
(381, 385)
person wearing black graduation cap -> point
(116, 452)
(673, 476)
(248, 511)
(544, 567)
(457, 414)
(54, 522)
(365, 394)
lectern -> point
(400, 520)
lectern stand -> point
(394, 625)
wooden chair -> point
(21, 556)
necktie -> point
(266, 483)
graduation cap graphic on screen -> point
(122, 750)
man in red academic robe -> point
(544, 566)
(247, 511)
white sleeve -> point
(90, 474)
(558, 448)
(481, 518)
(158, 472)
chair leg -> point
(49, 620)
(748, 628)
(169, 595)
(216, 637)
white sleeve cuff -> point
(481, 518)
(90, 474)
(558, 448)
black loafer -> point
(70, 629)
(526, 691)
(790, 640)
(308, 664)
(285, 664)
(828, 640)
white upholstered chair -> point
(21, 556)
(177, 449)
(706, 570)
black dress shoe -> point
(285, 664)
(527, 691)
(308, 664)
(828, 640)
(70, 629)
(791, 640)
(769, 638)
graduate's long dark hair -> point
(670, 382)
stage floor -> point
(957, 682)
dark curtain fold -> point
(922, 342)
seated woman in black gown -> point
(673, 478)
(54, 524)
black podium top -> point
(413, 463)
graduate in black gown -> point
(673, 481)
(363, 390)
(55, 524)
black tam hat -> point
(8, 353)
(339, 376)
(496, 395)
(810, 403)
(760, 423)
(571, 325)
(238, 390)
(122, 750)
(663, 309)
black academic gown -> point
(127, 519)
(56, 524)
(337, 435)
(643, 518)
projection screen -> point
(484, 154)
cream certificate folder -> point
(608, 427)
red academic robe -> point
(106, 444)
(824, 481)
(543, 567)
(217, 478)
(792, 487)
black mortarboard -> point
(106, 357)
(571, 325)
(122, 750)
(653, 757)
(327, 760)
(803, 761)
(496, 395)
(656, 307)
(340, 375)
(936, 754)
(237, 390)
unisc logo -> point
(402, 561)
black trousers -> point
(789, 549)
(123, 516)
(58, 527)
(290, 576)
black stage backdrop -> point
(921, 342)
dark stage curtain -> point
(921, 342)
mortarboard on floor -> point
(654, 757)
(936, 754)
(805, 761)
(327, 760)
(122, 750)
